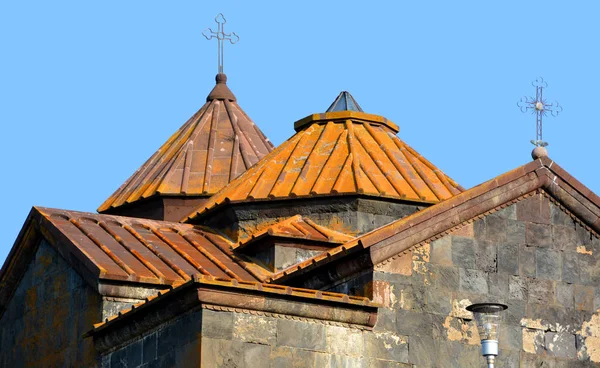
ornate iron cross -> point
(221, 36)
(540, 107)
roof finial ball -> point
(539, 152)
(221, 78)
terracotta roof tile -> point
(335, 153)
(297, 227)
(149, 251)
(213, 147)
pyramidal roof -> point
(344, 102)
(338, 153)
(216, 145)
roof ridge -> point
(546, 177)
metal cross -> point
(221, 36)
(540, 107)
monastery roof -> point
(245, 287)
(340, 153)
(423, 226)
(298, 227)
(148, 251)
(217, 144)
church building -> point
(341, 247)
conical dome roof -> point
(339, 153)
(216, 145)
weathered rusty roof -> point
(242, 287)
(298, 227)
(337, 153)
(398, 236)
(140, 250)
(217, 144)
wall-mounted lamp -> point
(487, 317)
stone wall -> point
(49, 312)
(347, 214)
(532, 256)
(216, 338)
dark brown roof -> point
(213, 147)
(148, 251)
(339, 153)
(298, 227)
(398, 236)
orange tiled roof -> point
(213, 147)
(297, 227)
(344, 152)
(149, 251)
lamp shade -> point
(487, 317)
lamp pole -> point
(487, 317)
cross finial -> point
(221, 36)
(540, 107)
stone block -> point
(548, 264)
(515, 232)
(300, 334)
(583, 297)
(379, 363)
(588, 268)
(254, 329)
(344, 341)
(438, 301)
(508, 258)
(498, 285)
(343, 361)
(495, 229)
(559, 217)
(564, 237)
(386, 320)
(473, 281)
(149, 348)
(486, 256)
(285, 357)
(508, 359)
(441, 251)
(561, 344)
(217, 325)
(510, 337)
(387, 346)
(479, 229)
(538, 235)
(533, 341)
(256, 355)
(444, 277)
(564, 294)
(534, 209)
(409, 296)
(540, 291)
(284, 257)
(509, 212)
(527, 265)
(463, 252)
(570, 268)
(220, 353)
(416, 323)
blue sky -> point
(89, 90)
